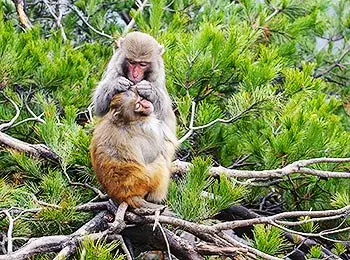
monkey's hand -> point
(123, 84)
(146, 90)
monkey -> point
(136, 63)
(131, 151)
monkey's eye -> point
(137, 106)
(143, 64)
(131, 62)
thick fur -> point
(131, 153)
(138, 47)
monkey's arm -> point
(158, 95)
(106, 89)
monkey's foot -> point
(149, 208)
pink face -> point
(144, 106)
(136, 70)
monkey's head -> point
(128, 107)
(142, 56)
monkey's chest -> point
(150, 140)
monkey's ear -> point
(116, 113)
(119, 42)
(161, 49)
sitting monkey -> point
(131, 151)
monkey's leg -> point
(160, 178)
(124, 181)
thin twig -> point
(335, 64)
(165, 239)
(190, 132)
(275, 12)
(7, 125)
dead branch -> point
(192, 128)
(163, 238)
(55, 243)
(182, 167)
(22, 16)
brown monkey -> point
(137, 62)
(131, 151)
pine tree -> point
(256, 85)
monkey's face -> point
(143, 106)
(137, 70)
(140, 55)
(128, 106)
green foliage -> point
(12, 196)
(339, 249)
(315, 252)
(239, 60)
(99, 250)
(198, 196)
(52, 221)
(269, 239)
(31, 166)
(309, 227)
(66, 138)
(341, 199)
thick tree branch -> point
(38, 150)
(55, 243)
(22, 16)
(296, 167)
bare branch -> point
(190, 132)
(275, 12)
(9, 231)
(270, 219)
(81, 16)
(56, 243)
(38, 150)
(58, 18)
(132, 22)
(218, 120)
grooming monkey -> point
(131, 151)
(137, 62)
